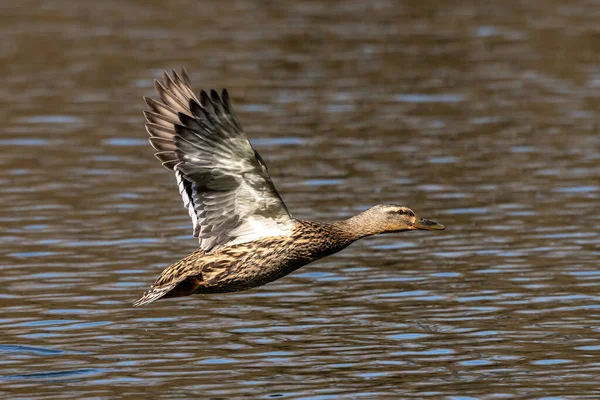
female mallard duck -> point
(247, 236)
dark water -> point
(481, 115)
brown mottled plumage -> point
(246, 234)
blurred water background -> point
(480, 115)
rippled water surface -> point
(481, 115)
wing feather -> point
(223, 181)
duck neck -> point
(357, 227)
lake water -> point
(480, 115)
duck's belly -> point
(246, 275)
(253, 264)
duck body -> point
(248, 265)
(246, 235)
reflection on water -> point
(483, 117)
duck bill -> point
(427, 225)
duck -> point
(247, 236)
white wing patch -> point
(187, 201)
(257, 227)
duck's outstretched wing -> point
(224, 183)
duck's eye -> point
(402, 212)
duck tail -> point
(181, 288)
(153, 294)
